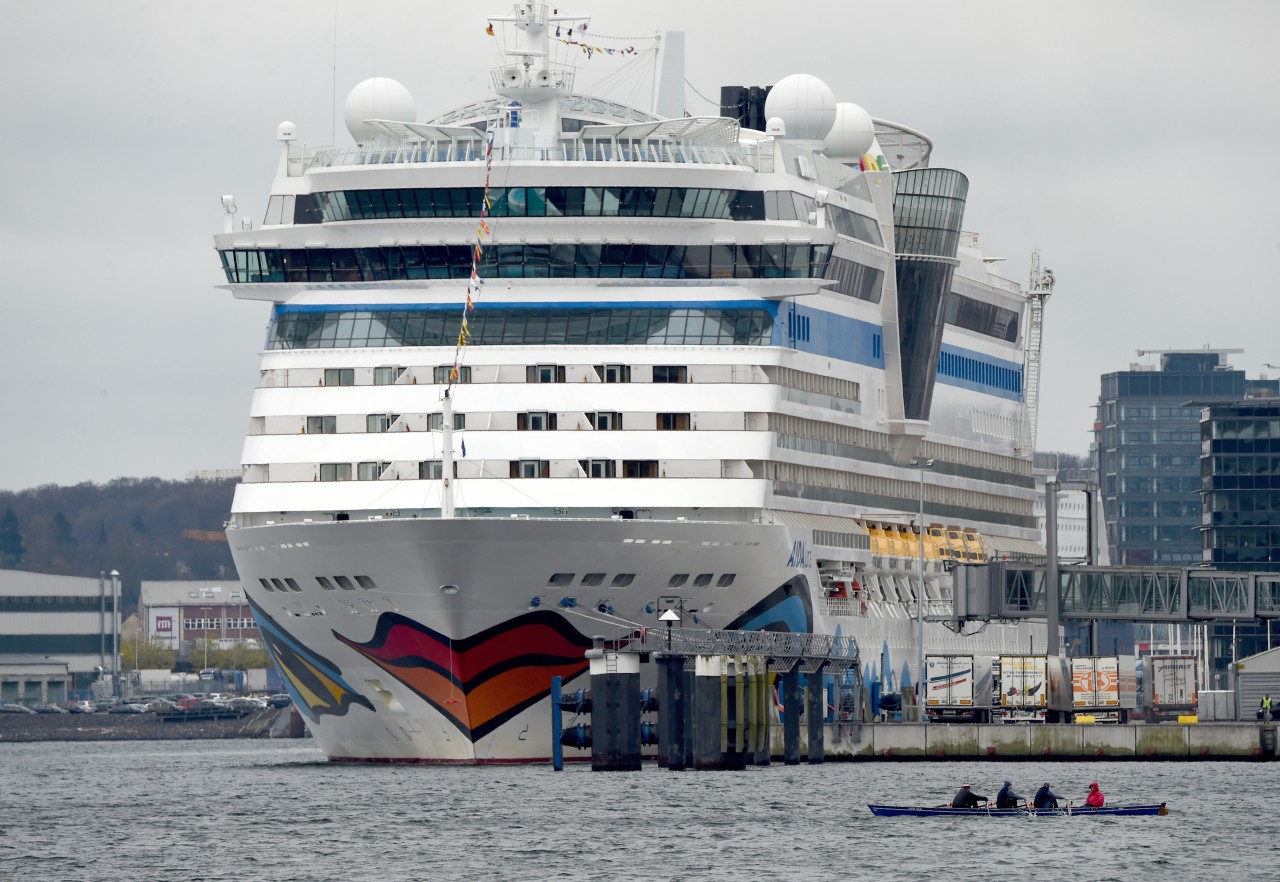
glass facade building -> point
(1148, 442)
(1240, 475)
(928, 210)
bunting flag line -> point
(474, 283)
(575, 35)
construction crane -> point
(1038, 291)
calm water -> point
(254, 810)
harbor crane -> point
(1039, 288)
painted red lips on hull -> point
(478, 682)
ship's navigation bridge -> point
(1018, 590)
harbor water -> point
(254, 810)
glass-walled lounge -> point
(774, 260)
(315, 327)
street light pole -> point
(115, 634)
(923, 466)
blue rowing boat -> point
(1069, 811)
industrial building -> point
(179, 613)
(57, 634)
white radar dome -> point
(805, 103)
(853, 132)
(377, 98)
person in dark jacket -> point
(1045, 798)
(1006, 798)
(966, 798)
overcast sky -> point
(1134, 143)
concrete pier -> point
(815, 715)
(615, 693)
(1023, 742)
(791, 717)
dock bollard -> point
(673, 745)
(816, 715)
(615, 712)
(791, 716)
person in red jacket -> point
(1095, 798)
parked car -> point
(81, 707)
(49, 709)
(246, 704)
(281, 699)
(128, 709)
(7, 708)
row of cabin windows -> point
(433, 469)
(534, 373)
(380, 422)
(343, 582)
(622, 580)
(532, 421)
(594, 468)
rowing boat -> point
(921, 811)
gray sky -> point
(1134, 143)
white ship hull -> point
(406, 671)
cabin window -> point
(335, 471)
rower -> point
(966, 798)
(1006, 798)
(1045, 798)
(1095, 799)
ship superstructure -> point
(725, 367)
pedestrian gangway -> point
(1018, 590)
(783, 649)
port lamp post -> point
(115, 634)
(923, 465)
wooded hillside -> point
(146, 528)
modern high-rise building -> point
(1147, 436)
(1167, 504)
(1240, 469)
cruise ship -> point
(546, 365)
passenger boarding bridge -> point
(1018, 590)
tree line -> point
(148, 529)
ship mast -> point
(446, 459)
(1040, 287)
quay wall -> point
(1024, 741)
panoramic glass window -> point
(341, 327)
(775, 260)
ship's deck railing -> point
(408, 152)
